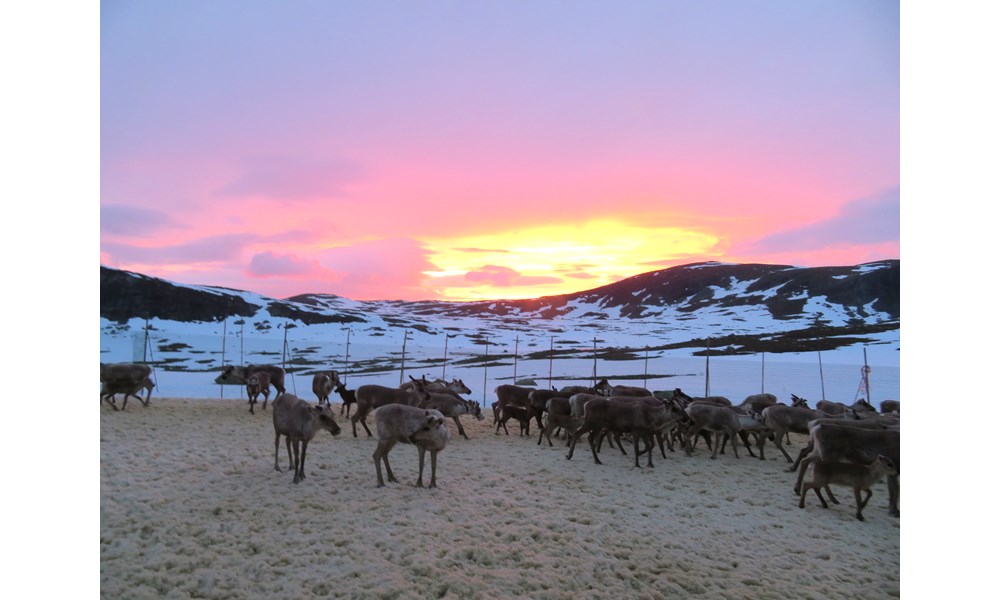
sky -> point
(479, 150)
(57, 145)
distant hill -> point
(734, 308)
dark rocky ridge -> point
(126, 295)
(687, 288)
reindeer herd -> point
(855, 445)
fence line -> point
(573, 362)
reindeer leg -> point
(861, 504)
(576, 436)
(593, 447)
(777, 442)
(302, 460)
(295, 446)
(893, 481)
(802, 454)
(382, 451)
(760, 446)
(803, 466)
(690, 439)
(434, 468)
(618, 440)
(746, 442)
(388, 469)
(420, 475)
(377, 457)
(815, 488)
(277, 438)
(460, 430)
(718, 443)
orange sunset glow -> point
(557, 259)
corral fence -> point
(188, 363)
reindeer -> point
(453, 407)
(258, 383)
(411, 425)
(858, 477)
(373, 396)
(299, 421)
(642, 419)
(323, 385)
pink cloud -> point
(135, 221)
(867, 222)
(218, 248)
(388, 269)
(270, 264)
(504, 277)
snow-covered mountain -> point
(729, 308)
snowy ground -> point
(834, 374)
(191, 506)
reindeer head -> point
(474, 409)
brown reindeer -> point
(299, 421)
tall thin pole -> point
(284, 348)
(445, 365)
(868, 391)
(517, 341)
(645, 368)
(402, 364)
(223, 352)
(347, 356)
(761, 372)
(708, 351)
(551, 345)
(241, 322)
(285, 353)
(145, 343)
(822, 385)
(595, 362)
(486, 366)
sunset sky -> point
(468, 150)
